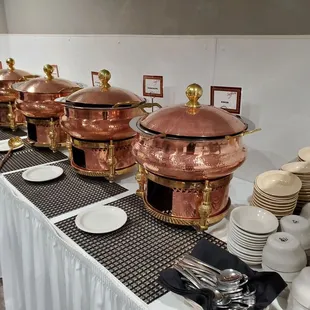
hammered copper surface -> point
(186, 202)
(43, 134)
(4, 112)
(96, 159)
(189, 160)
(99, 124)
(208, 121)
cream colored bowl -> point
(278, 183)
(304, 153)
(298, 167)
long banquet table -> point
(47, 264)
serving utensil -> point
(229, 285)
(13, 143)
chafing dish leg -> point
(111, 161)
(69, 146)
(11, 117)
(53, 136)
(140, 177)
(206, 207)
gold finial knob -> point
(10, 62)
(193, 93)
(48, 70)
(104, 77)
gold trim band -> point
(184, 222)
(195, 185)
(105, 173)
(100, 145)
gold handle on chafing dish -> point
(132, 104)
(143, 106)
(29, 77)
(244, 133)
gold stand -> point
(111, 161)
(11, 117)
(140, 178)
(69, 146)
(206, 207)
(53, 136)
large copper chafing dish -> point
(36, 100)
(97, 120)
(186, 156)
(9, 116)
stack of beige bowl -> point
(304, 154)
(276, 191)
(301, 170)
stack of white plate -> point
(301, 170)
(249, 229)
(276, 191)
(304, 154)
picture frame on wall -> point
(153, 86)
(56, 71)
(227, 98)
(95, 79)
(1, 65)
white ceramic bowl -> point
(299, 227)
(298, 167)
(301, 288)
(288, 277)
(284, 253)
(305, 211)
(254, 220)
(278, 183)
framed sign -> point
(1, 65)
(227, 98)
(94, 78)
(153, 86)
(55, 72)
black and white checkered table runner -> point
(69, 192)
(138, 251)
(29, 156)
(6, 133)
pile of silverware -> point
(230, 287)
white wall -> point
(274, 73)
(3, 24)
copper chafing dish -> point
(9, 116)
(97, 120)
(36, 100)
(186, 155)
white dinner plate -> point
(42, 173)
(101, 219)
(4, 146)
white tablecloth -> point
(43, 269)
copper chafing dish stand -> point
(97, 121)
(9, 116)
(186, 157)
(36, 100)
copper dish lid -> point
(104, 97)
(11, 74)
(36, 97)
(8, 77)
(192, 120)
(47, 84)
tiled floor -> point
(1, 297)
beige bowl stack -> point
(304, 154)
(301, 170)
(276, 191)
